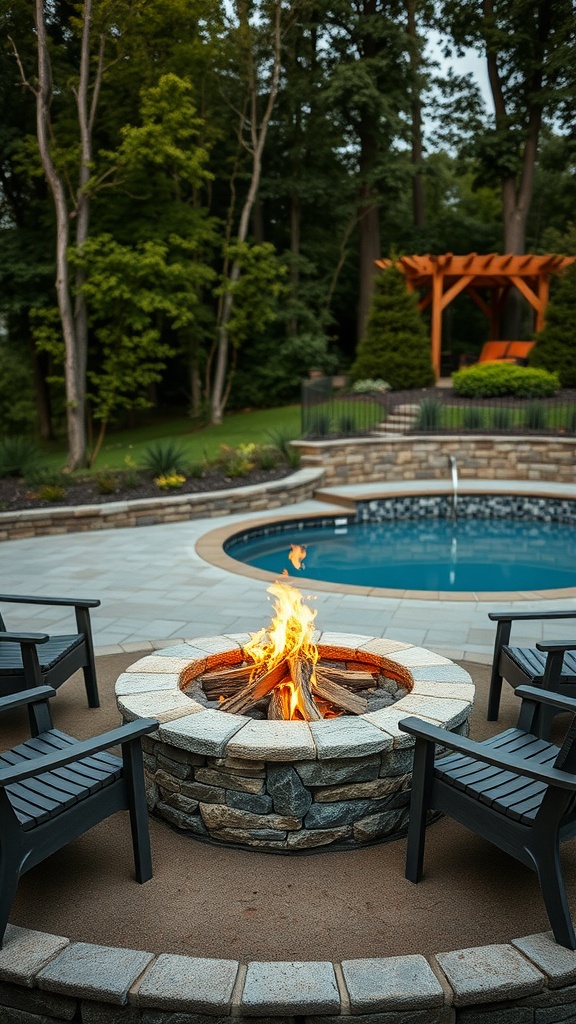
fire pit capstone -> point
(285, 786)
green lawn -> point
(237, 428)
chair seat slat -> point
(49, 654)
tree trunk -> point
(295, 223)
(74, 362)
(517, 192)
(418, 212)
(258, 132)
(369, 225)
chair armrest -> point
(24, 697)
(73, 602)
(553, 700)
(555, 646)
(433, 734)
(76, 751)
(24, 638)
(512, 616)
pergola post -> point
(442, 278)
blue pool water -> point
(421, 554)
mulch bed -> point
(16, 494)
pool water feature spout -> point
(454, 468)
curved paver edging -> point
(289, 786)
(40, 522)
(529, 979)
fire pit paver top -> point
(442, 693)
(227, 777)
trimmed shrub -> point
(396, 346)
(490, 380)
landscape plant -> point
(556, 342)
(535, 417)
(491, 380)
(429, 415)
(19, 456)
(164, 458)
(396, 345)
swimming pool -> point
(420, 545)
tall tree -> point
(255, 116)
(530, 51)
(369, 77)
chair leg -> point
(84, 626)
(9, 877)
(136, 796)
(91, 684)
(549, 872)
(503, 630)
(419, 806)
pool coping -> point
(210, 547)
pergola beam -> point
(447, 276)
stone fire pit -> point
(286, 786)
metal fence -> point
(329, 409)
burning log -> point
(253, 692)
(301, 673)
(338, 695)
(281, 671)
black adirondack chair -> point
(551, 666)
(60, 656)
(514, 789)
(54, 787)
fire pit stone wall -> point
(285, 786)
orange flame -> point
(290, 635)
(297, 555)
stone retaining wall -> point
(380, 460)
(298, 486)
(48, 979)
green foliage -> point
(130, 476)
(238, 461)
(271, 369)
(366, 387)
(257, 290)
(535, 417)
(556, 343)
(429, 416)
(396, 347)
(281, 439)
(19, 456)
(472, 418)
(164, 458)
(170, 481)
(490, 380)
(501, 418)
(106, 483)
(51, 492)
(346, 424)
(17, 402)
(319, 424)
(267, 457)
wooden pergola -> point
(442, 278)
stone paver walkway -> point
(156, 589)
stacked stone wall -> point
(382, 460)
